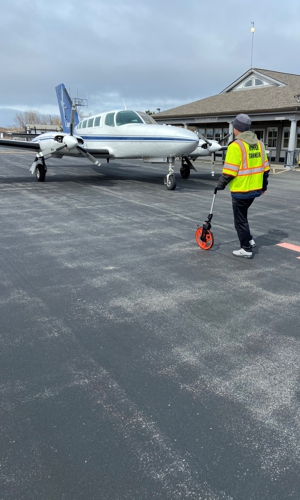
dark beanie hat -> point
(242, 122)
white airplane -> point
(122, 134)
(110, 135)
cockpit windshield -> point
(127, 116)
(147, 118)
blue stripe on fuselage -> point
(132, 138)
(122, 138)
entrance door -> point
(260, 134)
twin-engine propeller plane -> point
(123, 134)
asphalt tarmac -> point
(135, 365)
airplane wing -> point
(34, 146)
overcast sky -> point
(147, 53)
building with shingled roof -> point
(270, 98)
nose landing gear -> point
(170, 179)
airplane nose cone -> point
(187, 139)
(70, 141)
(187, 134)
(214, 147)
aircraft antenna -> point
(124, 104)
(252, 31)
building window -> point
(285, 137)
(218, 134)
(226, 132)
(201, 131)
(272, 137)
(298, 138)
(260, 133)
(253, 82)
(209, 133)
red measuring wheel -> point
(206, 240)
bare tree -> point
(33, 116)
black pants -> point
(240, 214)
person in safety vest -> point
(246, 171)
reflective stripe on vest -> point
(244, 154)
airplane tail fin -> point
(65, 108)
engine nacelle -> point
(49, 143)
(205, 149)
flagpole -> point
(252, 31)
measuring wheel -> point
(208, 238)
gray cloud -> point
(159, 53)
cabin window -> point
(127, 116)
(110, 119)
(84, 124)
(147, 118)
(79, 125)
(90, 122)
(97, 121)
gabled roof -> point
(279, 97)
(264, 78)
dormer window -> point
(254, 79)
(253, 82)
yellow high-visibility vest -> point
(247, 164)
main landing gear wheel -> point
(170, 182)
(40, 173)
(209, 239)
(185, 171)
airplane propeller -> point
(209, 143)
(81, 150)
(224, 138)
(72, 119)
(68, 141)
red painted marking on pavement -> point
(289, 246)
